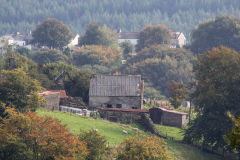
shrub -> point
(34, 137)
(143, 148)
(96, 144)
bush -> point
(29, 136)
(96, 144)
(143, 148)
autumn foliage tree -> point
(98, 35)
(52, 33)
(153, 35)
(29, 136)
(159, 64)
(143, 148)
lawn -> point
(171, 132)
(113, 133)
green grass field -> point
(171, 132)
(113, 133)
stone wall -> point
(75, 102)
(121, 116)
(125, 102)
(52, 101)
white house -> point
(128, 36)
(14, 40)
(178, 40)
(74, 42)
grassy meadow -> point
(114, 135)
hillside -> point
(114, 134)
(129, 15)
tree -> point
(33, 137)
(178, 93)
(153, 35)
(143, 147)
(127, 47)
(94, 54)
(223, 30)
(233, 135)
(216, 92)
(158, 65)
(98, 35)
(19, 90)
(96, 144)
(48, 56)
(77, 85)
(52, 33)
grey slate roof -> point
(115, 85)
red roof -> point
(166, 107)
(126, 110)
(62, 93)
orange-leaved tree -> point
(143, 147)
(33, 137)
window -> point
(134, 107)
(119, 105)
(109, 106)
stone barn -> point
(52, 100)
(116, 91)
(168, 117)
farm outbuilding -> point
(116, 91)
(52, 99)
(168, 117)
(122, 115)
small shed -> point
(168, 117)
(52, 99)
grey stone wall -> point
(126, 102)
(52, 101)
(121, 116)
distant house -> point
(168, 117)
(74, 42)
(178, 40)
(16, 40)
(128, 36)
(116, 91)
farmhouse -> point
(168, 117)
(116, 91)
(178, 40)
